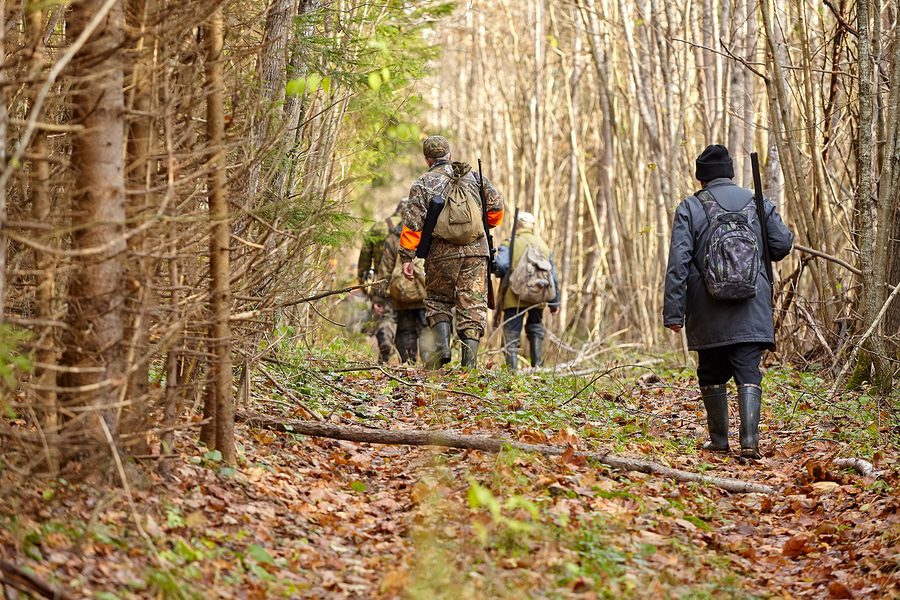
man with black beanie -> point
(729, 333)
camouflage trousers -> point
(457, 283)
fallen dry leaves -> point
(321, 518)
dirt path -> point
(319, 518)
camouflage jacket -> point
(372, 251)
(433, 183)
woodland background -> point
(179, 177)
(184, 183)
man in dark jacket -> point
(729, 336)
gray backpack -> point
(731, 255)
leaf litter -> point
(307, 517)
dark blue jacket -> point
(711, 323)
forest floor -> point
(320, 518)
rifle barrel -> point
(488, 237)
(761, 213)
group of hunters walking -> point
(434, 257)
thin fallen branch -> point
(18, 579)
(418, 437)
(833, 259)
(251, 314)
(433, 388)
(287, 393)
(863, 467)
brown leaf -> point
(791, 448)
(395, 582)
(836, 589)
(796, 546)
(818, 471)
(568, 455)
(566, 436)
(826, 487)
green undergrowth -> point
(522, 527)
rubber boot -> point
(715, 400)
(469, 352)
(749, 404)
(406, 346)
(385, 347)
(441, 355)
(511, 346)
(536, 346)
(512, 355)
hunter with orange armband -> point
(456, 266)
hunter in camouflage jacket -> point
(455, 274)
(434, 183)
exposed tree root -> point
(418, 437)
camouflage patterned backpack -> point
(731, 256)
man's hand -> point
(554, 310)
(674, 327)
(378, 309)
(408, 271)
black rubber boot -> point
(407, 346)
(749, 404)
(511, 347)
(469, 352)
(715, 399)
(441, 355)
(536, 346)
(512, 356)
(385, 347)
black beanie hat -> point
(713, 163)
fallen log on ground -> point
(16, 578)
(418, 437)
(863, 467)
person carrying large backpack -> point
(527, 289)
(456, 267)
(371, 266)
(717, 289)
(407, 297)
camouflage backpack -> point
(532, 279)
(460, 221)
(731, 255)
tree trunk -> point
(220, 390)
(874, 348)
(139, 269)
(44, 264)
(4, 115)
(94, 354)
